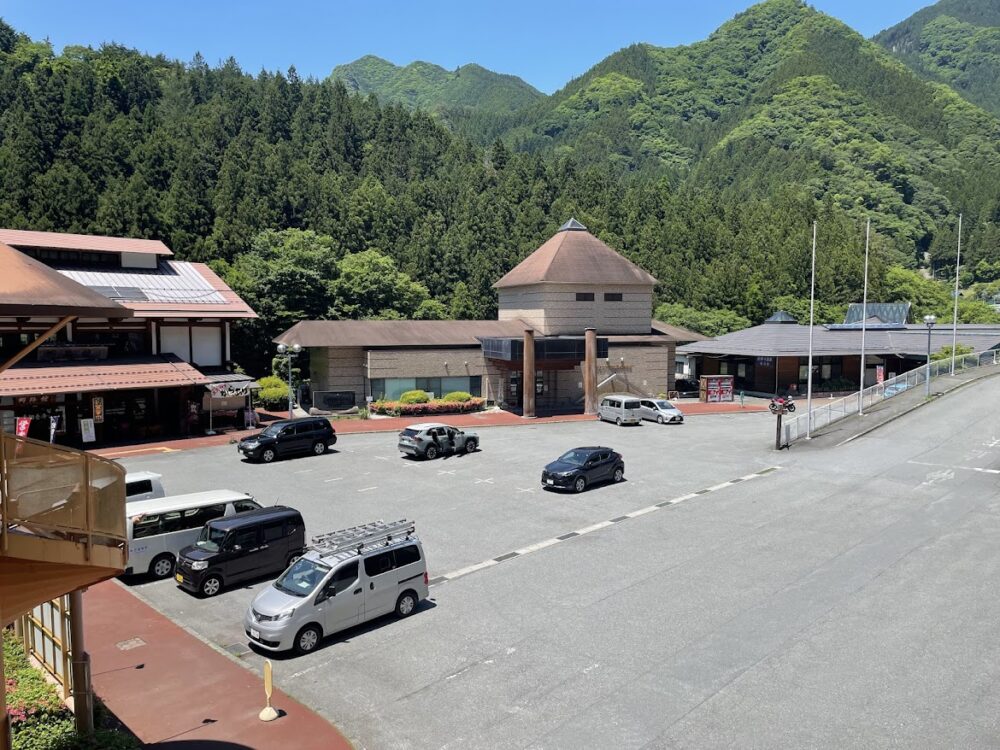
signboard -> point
(23, 423)
(87, 433)
(53, 426)
(40, 400)
(228, 390)
(716, 388)
(880, 374)
(97, 403)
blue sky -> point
(545, 43)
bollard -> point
(268, 713)
(741, 399)
(777, 434)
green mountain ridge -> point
(956, 42)
(431, 87)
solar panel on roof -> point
(130, 293)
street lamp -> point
(929, 321)
(288, 351)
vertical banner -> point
(23, 423)
(87, 430)
(98, 405)
(880, 374)
(53, 426)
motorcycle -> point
(781, 402)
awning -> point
(112, 375)
(227, 384)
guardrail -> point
(833, 411)
(60, 492)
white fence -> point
(832, 411)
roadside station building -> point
(144, 375)
(773, 357)
(571, 290)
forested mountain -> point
(706, 165)
(954, 41)
(435, 89)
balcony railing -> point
(60, 493)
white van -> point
(620, 408)
(346, 578)
(158, 529)
(143, 485)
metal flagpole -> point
(864, 323)
(954, 316)
(809, 370)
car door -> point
(342, 600)
(454, 438)
(273, 548)
(647, 409)
(603, 469)
(379, 584)
(242, 553)
(592, 468)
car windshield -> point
(210, 538)
(665, 405)
(302, 578)
(575, 457)
(271, 430)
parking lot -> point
(714, 598)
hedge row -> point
(399, 409)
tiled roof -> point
(173, 289)
(28, 287)
(165, 371)
(398, 333)
(85, 242)
(680, 335)
(575, 256)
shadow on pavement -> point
(197, 745)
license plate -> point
(254, 633)
(179, 577)
(550, 481)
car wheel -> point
(291, 560)
(619, 474)
(659, 420)
(580, 484)
(211, 586)
(162, 566)
(470, 446)
(618, 421)
(406, 603)
(319, 447)
(307, 639)
(431, 452)
(268, 455)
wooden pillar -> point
(528, 375)
(590, 371)
(83, 696)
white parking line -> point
(335, 479)
(525, 489)
(594, 527)
(485, 481)
(451, 472)
(306, 471)
(962, 468)
(365, 489)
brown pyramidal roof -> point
(28, 287)
(575, 256)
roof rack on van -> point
(358, 537)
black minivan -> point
(241, 547)
(288, 436)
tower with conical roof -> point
(573, 282)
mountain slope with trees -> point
(432, 88)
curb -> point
(916, 406)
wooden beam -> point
(42, 338)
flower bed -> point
(39, 720)
(399, 409)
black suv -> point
(581, 467)
(287, 437)
(241, 547)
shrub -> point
(460, 396)
(414, 397)
(399, 409)
(272, 398)
(272, 381)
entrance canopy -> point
(548, 349)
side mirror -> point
(236, 548)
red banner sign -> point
(23, 423)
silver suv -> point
(432, 439)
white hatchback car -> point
(660, 410)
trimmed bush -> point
(399, 409)
(414, 397)
(274, 398)
(460, 396)
(271, 381)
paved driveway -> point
(846, 599)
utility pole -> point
(954, 316)
(809, 369)
(864, 323)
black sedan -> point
(581, 467)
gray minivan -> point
(364, 574)
(620, 408)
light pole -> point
(929, 321)
(288, 351)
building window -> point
(612, 296)
(584, 296)
(391, 389)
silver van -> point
(143, 485)
(620, 408)
(346, 578)
(159, 529)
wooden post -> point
(83, 696)
(777, 434)
(42, 338)
(590, 371)
(528, 376)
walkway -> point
(490, 418)
(172, 690)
